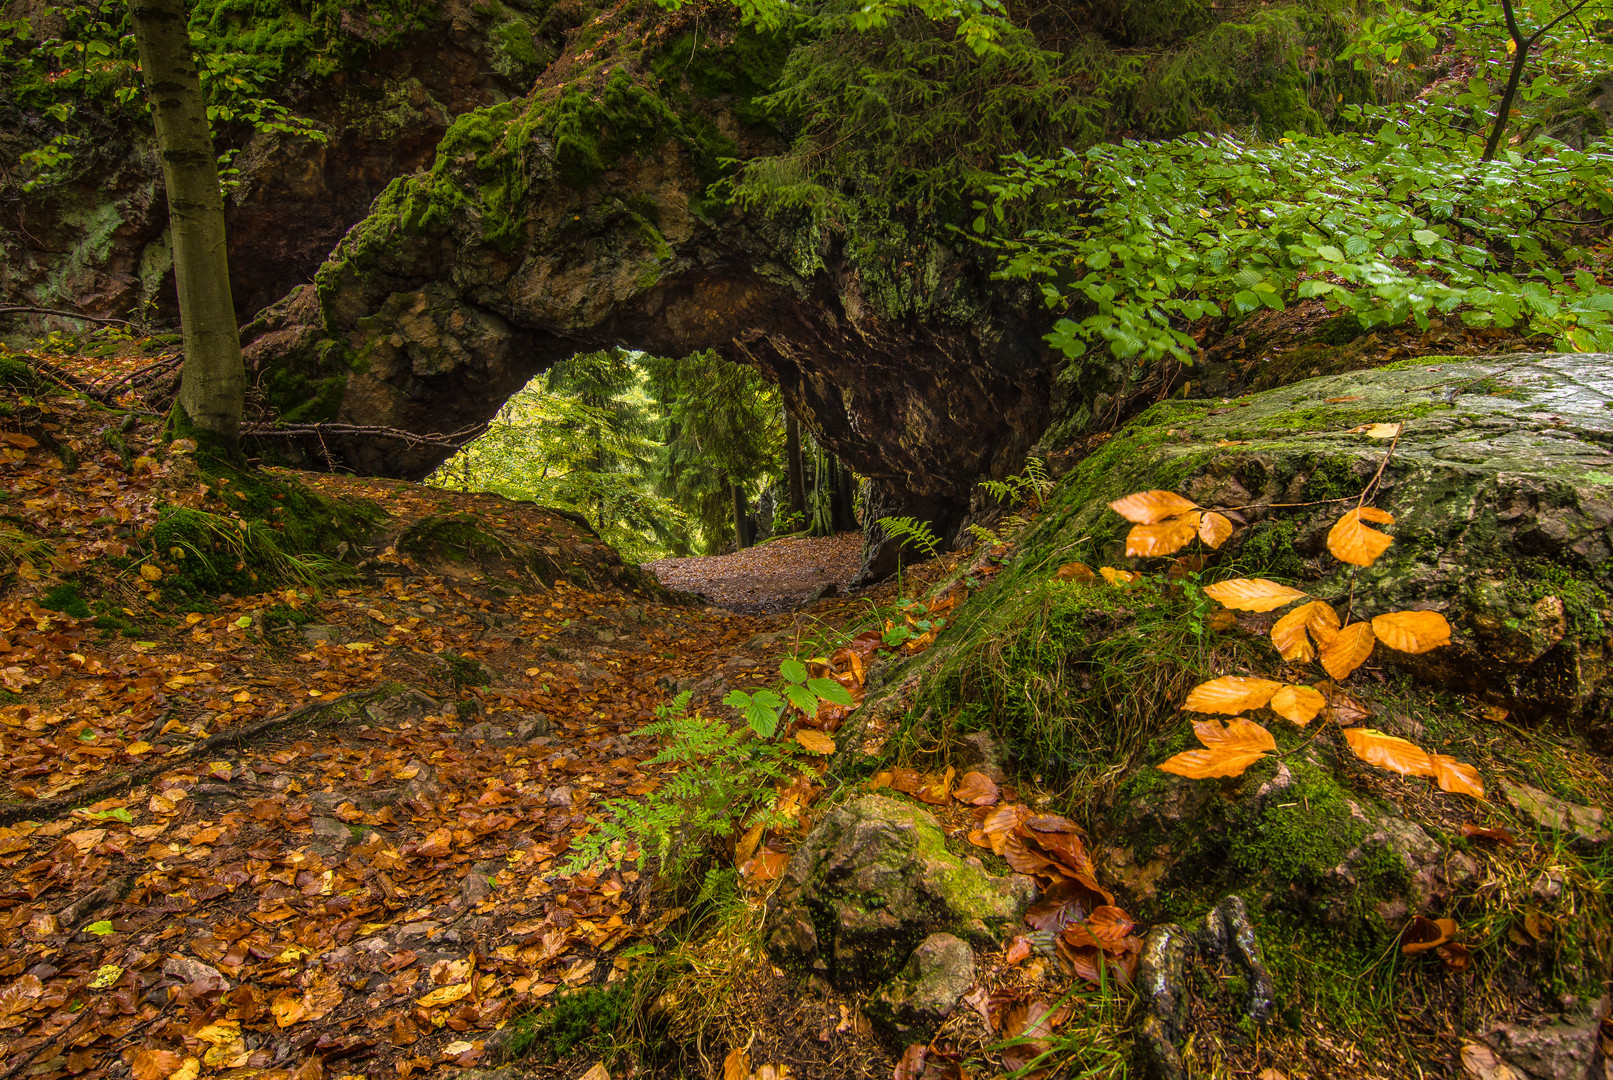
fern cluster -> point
(728, 777)
(912, 533)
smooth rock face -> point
(871, 882)
(913, 1005)
(1501, 485)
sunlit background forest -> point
(662, 456)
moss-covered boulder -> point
(1500, 482)
(871, 882)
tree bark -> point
(212, 384)
(742, 536)
(792, 458)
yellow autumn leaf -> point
(1163, 538)
(444, 995)
(1231, 694)
(135, 749)
(1289, 633)
(1239, 734)
(1207, 764)
(1297, 703)
(1215, 529)
(814, 742)
(219, 1032)
(190, 1069)
(1117, 577)
(1412, 631)
(1147, 507)
(288, 1008)
(1252, 594)
(1351, 541)
(1388, 752)
(151, 572)
(1348, 649)
(1455, 776)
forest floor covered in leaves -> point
(772, 576)
(315, 831)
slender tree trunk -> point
(742, 537)
(792, 458)
(844, 508)
(212, 385)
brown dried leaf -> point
(1231, 694)
(1412, 631)
(1423, 934)
(976, 789)
(814, 742)
(1501, 836)
(1252, 594)
(1078, 572)
(1348, 649)
(1148, 507)
(1240, 733)
(1352, 542)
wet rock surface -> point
(913, 1005)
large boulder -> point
(871, 882)
(1501, 484)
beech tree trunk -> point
(212, 385)
(792, 458)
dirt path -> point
(771, 577)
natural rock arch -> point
(464, 282)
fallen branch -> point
(72, 800)
(28, 309)
(450, 441)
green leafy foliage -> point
(1140, 240)
(763, 709)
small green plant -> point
(912, 532)
(763, 709)
(728, 777)
(912, 622)
(1031, 486)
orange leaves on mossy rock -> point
(1412, 631)
(1252, 594)
(1228, 750)
(1456, 777)
(1231, 694)
(1164, 522)
(1215, 529)
(1149, 507)
(1409, 759)
(1353, 542)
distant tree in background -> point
(724, 434)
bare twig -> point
(29, 309)
(451, 440)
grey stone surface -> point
(910, 1007)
